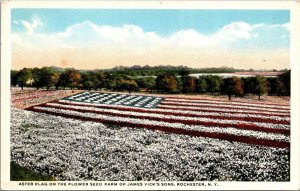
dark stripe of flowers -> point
(203, 102)
(188, 122)
(223, 136)
(218, 106)
(251, 119)
(231, 111)
(168, 97)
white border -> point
(294, 8)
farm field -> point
(117, 136)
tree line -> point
(147, 70)
(166, 82)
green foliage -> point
(213, 84)
(202, 85)
(70, 78)
(36, 75)
(281, 85)
(48, 77)
(249, 85)
(148, 83)
(167, 83)
(14, 77)
(286, 79)
(232, 86)
(19, 173)
(261, 86)
(276, 86)
(88, 85)
(159, 78)
(128, 85)
(137, 70)
(24, 77)
(159, 70)
(188, 84)
(184, 72)
(99, 80)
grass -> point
(19, 173)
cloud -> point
(236, 30)
(108, 46)
(30, 26)
(89, 34)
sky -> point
(104, 38)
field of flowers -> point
(115, 136)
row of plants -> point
(168, 82)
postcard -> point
(150, 95)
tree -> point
(286, 79)
(36, 75)
(70, 78)
(13, 77)
(184, 72)
(74, 79)
(249, 85)
(88, 80)
(188, 84)
(99, 80)
(213, 84)
(24, 77)
(167, 82)
(110, 81)
(261, 86)
(276, 86)
(148, 83)
(88, 85)
(63, 80)
(48, 77)
(232, 86)
(202, 85)
(129, 85)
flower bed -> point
(272, 127)
(117, 136)
(72, 149)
